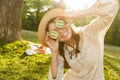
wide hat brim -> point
(44, 21)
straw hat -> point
(43, 24)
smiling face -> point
(65, 32)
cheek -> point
(66, 36)
(51, 26)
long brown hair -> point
(61, 48)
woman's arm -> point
(105, 10)
(54, 64)
(60, 69)
(54, 46)
(100, 8)
(55, 52)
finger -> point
(47, 37)
(58, 38)
(60, 35)
(67, 25)
(48, 40)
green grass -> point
(30, 36)
(16, 65)
(112, 62)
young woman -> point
(81, 50)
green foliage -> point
(14, 46)
(16, 65)
(33, 11)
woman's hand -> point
(53, 44)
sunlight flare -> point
(77, 4)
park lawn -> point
(30, 36)
(16, 65)
(112, 62)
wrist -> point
(55, 53)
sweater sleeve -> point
(60, 70)
(105, 10)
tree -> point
(33, 11)
(10, 20)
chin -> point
(67, 36)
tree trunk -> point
(10, 20)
